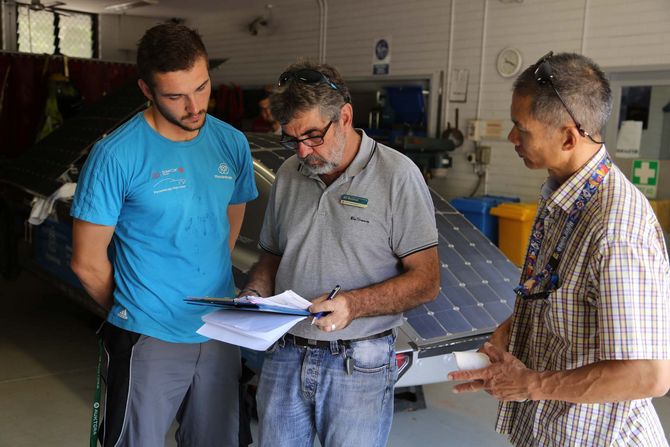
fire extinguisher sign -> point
(381, 56)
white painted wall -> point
(618, 34)
(119, 35)
(258, 60)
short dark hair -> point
(582, 85)
(296, 97)
(168, 47)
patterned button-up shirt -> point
(613, 303)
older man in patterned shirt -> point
(588, 344)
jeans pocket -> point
(276, 345)
(371, 356)
(272, 348)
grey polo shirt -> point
(323, 242)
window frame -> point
(56, 18)
(657, 76)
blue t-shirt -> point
(168, 202)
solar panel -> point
(259, 140)
(269, 159)
(38, 169)
(266, 149)
(476, 282)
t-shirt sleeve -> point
(245, 183)
(101, 189)
(634, 303)
(413, 219)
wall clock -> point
(508, 62)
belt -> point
(306, 342)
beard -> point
(179, 122)
(317, 165)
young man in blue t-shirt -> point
(166, 192)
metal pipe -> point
(481, 62)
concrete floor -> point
(48, 354)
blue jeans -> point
(305, 392)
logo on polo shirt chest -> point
(357, 202)
(358, 219)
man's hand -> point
(507, 379)
(418, 284)
(341, 310)
(261, 278)
(249, 292)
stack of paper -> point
(257, 329)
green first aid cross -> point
(644, 175)
(645, 172)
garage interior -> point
(440, 92)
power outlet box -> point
(483, 155)
(478, 130)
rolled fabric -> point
(467, 360)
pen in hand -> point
(330, 297)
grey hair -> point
(582, 85)
(292, 98)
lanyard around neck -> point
(537, 237)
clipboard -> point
(242, 304)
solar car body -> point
(476, 278)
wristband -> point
(254, 291)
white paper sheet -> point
(252, 339)
(628, 142)
(254, 330)
(288, 299)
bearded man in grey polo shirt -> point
(344, 211)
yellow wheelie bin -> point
(515, 223)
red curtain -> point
(230, 104)
(25, 91)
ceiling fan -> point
(124, 6)
(37, 5)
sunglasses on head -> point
(544, 74)
(309, 77)
(306, 76)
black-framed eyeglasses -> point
(544, 75)
(310, 77)
(311, 141)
